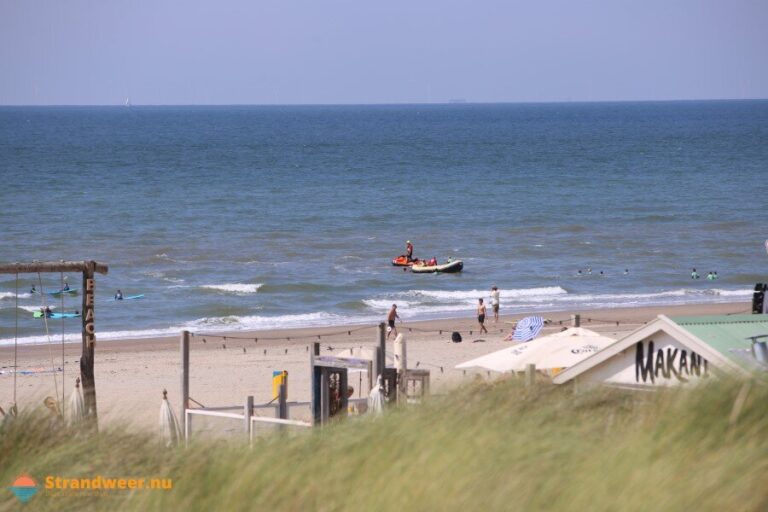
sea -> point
(233, 218)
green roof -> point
(725, 333)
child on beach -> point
(481, 316)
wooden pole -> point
(247, 413)
(184, 349)
(530, 375)
(401, 363)
(89, 345)
(53, 266)
(382, 363)
(282, 401)
(576, 320)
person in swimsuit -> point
(481, 316)
(495, 303)
(409, 250)
(391, 320)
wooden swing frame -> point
(88, 270)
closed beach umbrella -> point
(528, 328)
(169, 425)
(75, 411)
(376, 398)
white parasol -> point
(559, 350)
(376, 398)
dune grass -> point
(495, 446)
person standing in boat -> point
(391, 317)
(495, 303)
(481, 316)
(409, 250)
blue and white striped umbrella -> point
(528, 328)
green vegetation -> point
(492, 446)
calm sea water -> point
(259, 217)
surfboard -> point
(39, 314)
(71, 291)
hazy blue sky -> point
(364, 51)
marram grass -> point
(492, 446)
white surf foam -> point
(259, 322)
(236, 288)
(473, 295)
(11, 295)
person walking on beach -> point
(391, 317)
(409, 250)
(481, 316)
(495, 303)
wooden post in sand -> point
(530, 375)
(401, 364)
(282, 401)
(184, 347)
(89, 342)
(382, 362)
(247, 413)
(576, 320)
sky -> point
(190, 52)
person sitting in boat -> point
(409, 250)
(119, 295)
(432, 262)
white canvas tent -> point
(559, 350)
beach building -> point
(675, 351)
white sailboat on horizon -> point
(127, 101)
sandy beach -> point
(131, 374)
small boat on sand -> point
(448, 268)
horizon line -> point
(448, 102)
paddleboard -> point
(71, 291)
(39, 314)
